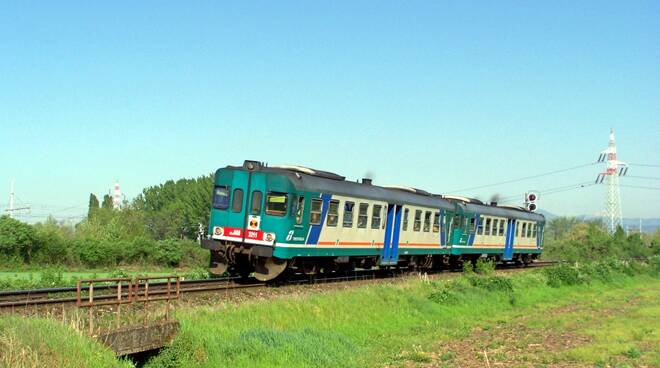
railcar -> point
(269, 220)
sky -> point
(439, 95)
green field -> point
(58, 277)
(74, 275)
(601, 318)
(600, 315)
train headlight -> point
(270, 237)
(217, 230)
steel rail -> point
(193, 286)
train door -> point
(255, 202)
(233, 218)
(459, 229)
(509, 238)
(474, 225)
(390, 252)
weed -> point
(633, 353)
(468, 268)
(485, 267)
(197, 274)
(443, 295)
(118, 272)
(449, 355)
(563, 274)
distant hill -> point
(649, 225)
(548, 215)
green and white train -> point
(267, 220)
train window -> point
(333, 213)
(348, 214)
(300, 209)
(493, 231)
(436, 222)
(473, 222)
(221, 198)
(315, 212)
(524, 229)
(427, 221)
(418, 220)
(255, 207)
(529, 230)
(533, 230)
(480, 226)
(405, 219)
(517, 228)
(487, 227)
(237, 202)
(276, 204)
(375, 216)
(501, 232)
(363, 216)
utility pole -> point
(613, 170)
(12, 209)
(11, 199)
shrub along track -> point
(49, 301)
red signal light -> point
(532, 197)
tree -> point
(174, 209)
(17, 239)
(93, 205)
(107, 202)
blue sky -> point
(437, 95)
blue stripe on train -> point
(315, 231)
(394, 252)
(385, 258)
(508, 245)
(476, 226)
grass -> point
(438, 323)
(46, 343)
(58, 277)
(602, 315)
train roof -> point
(309, 179)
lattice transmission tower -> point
(613, 170)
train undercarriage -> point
(240, 260)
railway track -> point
(69, 295)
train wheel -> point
(218, 265)
(267, 269)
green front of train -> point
(252, 209)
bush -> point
(197, 274)
(17, 239)
(95, 253)
(654, 265)
(604, 271)
(563, 274)
(468, 268)
(51, 277)
(485, 266)
(443, 296)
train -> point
(271, 221)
